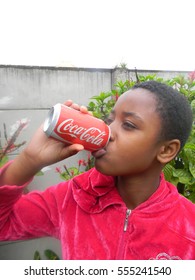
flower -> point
(18, 126)
(68, 173)
(82, 162)
(191, 75)
(10, 142)
(115, 96)
(58, 169)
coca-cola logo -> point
(91, 135)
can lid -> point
(51, 120)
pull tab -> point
(128, 212)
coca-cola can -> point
(71, 126)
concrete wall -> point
(28, 92)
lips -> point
(99, 153)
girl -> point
(121, 209)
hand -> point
(40, 152)
(45, 151)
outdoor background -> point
(28, 93)
(53, 50)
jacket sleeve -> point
(36, 214)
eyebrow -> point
(129, 114)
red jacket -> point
(92, 222)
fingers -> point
(76, 147)
(68, 103)
(71, 150)
(84, 110)
(75, 106)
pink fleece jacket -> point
(92, 222)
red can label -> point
(72, 126)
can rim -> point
(51, 119)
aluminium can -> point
(71, 126)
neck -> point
(136, 189)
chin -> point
(105, 169)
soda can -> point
(71, 126)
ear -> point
(168, 151)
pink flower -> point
(12, 147)
(82, 162)
(58, 170)
(191, 75)
(89, 156)
(115, 96)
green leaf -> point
(101, 97)
(51, 255)
(174, 181)
(183, 175)
(40, 173)
(37, 256)
(192, 169)
(193, 105)
(168, 171)
(192, 197)
(190, 146)
(73, 171)
(3, 161)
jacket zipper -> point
(123, 238)
(128, 212)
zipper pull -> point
(128, 212)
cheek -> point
(128, 155)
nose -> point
(111, 126)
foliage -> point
(82, 165)
(181, 171)
(50, 255)
(104, 102)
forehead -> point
(137, 100)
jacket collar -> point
(94, 192)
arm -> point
(40, 152)
(34, 214)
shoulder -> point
(187, 207)
(182, 220)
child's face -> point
(134, 143)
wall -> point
(28, 92)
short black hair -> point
(174, 110)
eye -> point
(129, 125)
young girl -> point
(121, 209)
